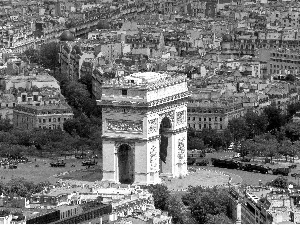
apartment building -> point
(212, 115)
(50, 116)
(284, 61)
(264, 205)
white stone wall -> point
(166, 91)
(109, 161)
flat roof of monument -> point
(147, 76)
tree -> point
(280, 135)
(292, 109)
(206, 203)
(195, 143)
(269, 148)
(78, 97)
(248, 147)
(20, 187)
(279, 182)
(290, 77)
(87, 80)
(33, 55)
(218, 219)
(275, 118)
(5, 125)
(295, 149)
(82, 126)
(49, 55)
(256, 124)
(238, 128)
(180, 214)
(23, 137)
(161, 194)
(292, 131)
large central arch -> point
(165, 126)
(125, 164)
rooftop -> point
(146, 80)
(44, 107)
(148, 77)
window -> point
(204, 125)
(194, 125)
(44, 120)
(216, 118)
(65, 119)
(209, 119)
(220, 119)
(58, 119)
(204, 119)
(194, 118)
(49, 119)
(124, 92)
(189, 118)
(54, 119)
(221, 127)
(200, 119)
(200, 126)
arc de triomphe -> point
(144, 125)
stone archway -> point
(164, 128)
(125, 164)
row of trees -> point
(20, 187)
(46, 142)
(199, 205)
(84, 130)
(252, 125)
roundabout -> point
(202, 177)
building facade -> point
(52, 116)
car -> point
(294, 166)
(80, 155)
(58, 163)
(13, 166)
(295, 175)
(89, 162)
(281, 171)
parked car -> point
(58, 163)
(281, 171)
(89, 162)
